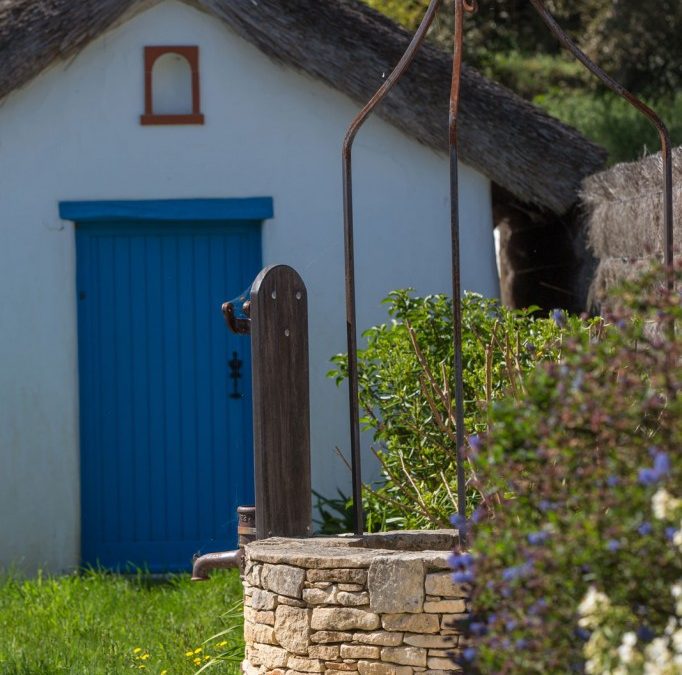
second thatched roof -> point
(351, 47)
(625, 219)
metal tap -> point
(246, 531)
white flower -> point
(626, 651)
(677, 640)
(593, 604)
(658, 656)
(664, 505)
(676, 591)
(677, 537)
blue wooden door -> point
(166, 452)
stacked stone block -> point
(321, 606)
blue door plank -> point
(86, 366)
(187, 459)
(140, 394)
(168, 334)
(166, 454)
(108, 488)
(126, 437)
(205, 332)
(218, 381)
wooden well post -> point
(281, 403)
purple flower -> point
(511, 625)
(478, 628)
(647, 476)
(461, 560)
(475, 442)
(578, 381)
(670, 533)
(613, 545)
(612, 481)
(511, 573)
(644, 529)
(458, 521)
(463, 577)
(521, 643)
(645, 634)
(583, 634)
(469, 654)
(538, 607)
(661, 467)
(517, 572)
(559, 317)
(546, 505)
(478, 515)
(537, 538)
(661, 464)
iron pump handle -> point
(238, 325)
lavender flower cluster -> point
(575, 488)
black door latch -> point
(235, 364)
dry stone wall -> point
(344, 605)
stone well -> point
(378, 604)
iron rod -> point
(664, 135)
(349, 254)
(461, 6)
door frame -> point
(158, 211)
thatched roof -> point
(349, 46)
(624, 208)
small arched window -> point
(171, 86)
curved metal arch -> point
(651, 115)
(460, 7)
(349, 254)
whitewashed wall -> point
(73, 134)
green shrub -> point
(577, 548)
(613, 123)
(405, 389)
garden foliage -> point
(405, 378)
(635, 42)
(576, 556)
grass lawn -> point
(92, 623)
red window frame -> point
(151, 54)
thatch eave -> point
(350, 47)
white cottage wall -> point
(74, 134)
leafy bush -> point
(577, 547)
(405, 388)
(612, 122)
(636, 42)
